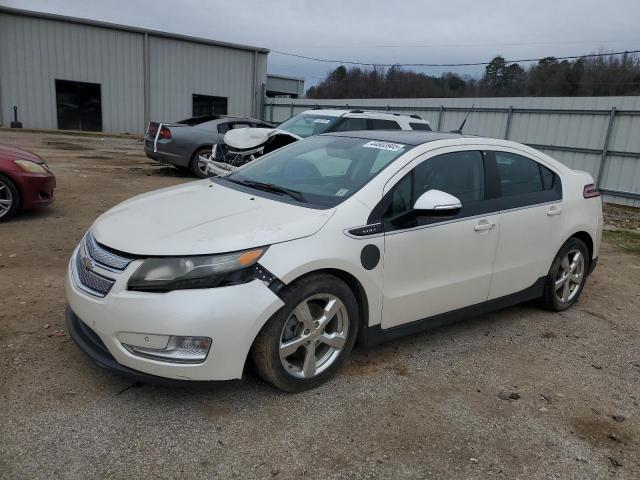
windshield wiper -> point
(270, 187)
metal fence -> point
(600, 135)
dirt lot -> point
(428, 406)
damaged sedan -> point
(246, 144)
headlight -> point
(203, 271)
(29, 166)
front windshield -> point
(305, 125)
(322, 170)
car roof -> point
(199, 120)
(334, 112)
(407, 137)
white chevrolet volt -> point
(338, 238)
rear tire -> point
(9, 198)
(305, 342)
(196, 167)
(567, 276)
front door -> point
(434, 265)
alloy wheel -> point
(202, 165)
(314, 335)
(6, 199)
(570, 274)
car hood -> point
(13, 153)
(203, 217)
(245, 138)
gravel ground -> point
(521, 393)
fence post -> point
(507, 128)
(271, 112)
(605, 147)
(291, 109)
(440, 117)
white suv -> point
(246, 144)
(337, 237)
(315, 122)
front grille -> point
(106, 258)
(88, 280)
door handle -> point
(553, 211)
(484, 225)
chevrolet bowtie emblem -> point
(88, 264)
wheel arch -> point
(354, 285)
(200, 147)
(580, 234)
(587, 239)
(16, 185)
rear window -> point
(420, 126)
(306, 125)
(377, 124)
(198, 120)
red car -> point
(25, 181)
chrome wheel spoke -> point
(562, 281)
(303, 314)
(576, 260)
(309, 365)
(289, 348)
(330, 311)
(335, 340)
(566, 290)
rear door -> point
(531, 211)
(434, 265)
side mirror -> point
(437, 202)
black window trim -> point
(493, 204)
(526, 200)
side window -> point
(548, 177)
(223, 127)
(420, 126)
(239, 125)
(518, 174)
(351, 124)
(460, 173)
(378, 124)
(401, 197)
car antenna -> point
(459, 130)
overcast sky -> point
(379, 31)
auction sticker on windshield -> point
(391, 147)
(321, 120)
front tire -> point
(9, 198)
(567, 276)
(198, 168)
(305, 342)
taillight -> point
(165, 133)
(590, 191)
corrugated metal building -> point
(72, 73)
(284, 87)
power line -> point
(465, 45)
(469, 64)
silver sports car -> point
(183, 143)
